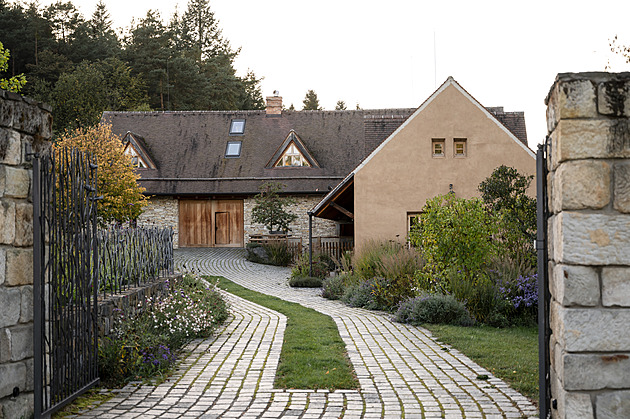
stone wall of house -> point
(588, 119)
(162, 212)
(299, 227)
(25, 125)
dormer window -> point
(237, 127)
(136, 160)
(233, 149)
(292, 158)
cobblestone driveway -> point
(402, 371)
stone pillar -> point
(24, 125)
(588, 118)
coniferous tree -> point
(341, 106)
(311, 103)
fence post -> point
(38, 246)
(310, 243)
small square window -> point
(438, 147)
(237, 127)
(233, 149)
(459, 147)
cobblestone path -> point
(402, 371)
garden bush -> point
(145, 344)
(367, 260)
(433, 308)
(272, 253)
(334, 287)
(363, 294)
(305, 282)
(321, 266)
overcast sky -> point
(395, 53)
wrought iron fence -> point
(65, 271)
(129, 257)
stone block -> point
(13, 375)
(7, 221)
(26, 310)
(621, 187)
(613, 405)
(14, 182)
(10, 147)
(590, 329)
(613, 98)
(19, 407)
(10, 300)
(23, 224)
(578, 405)
(6, 113)
(19, 267)
(616, 286)
(596, 371)
(3, 265)
(584, 139)
(570, 99)
(591, 239)
(583, 184)
(21, 342)
(575, 285)
(5, 345)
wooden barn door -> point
(211, 223)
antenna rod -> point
(434, 61)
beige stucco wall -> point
(403, 174)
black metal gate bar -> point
(65, 276)
(544, 395)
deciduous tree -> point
(116, 180)
(269, 209)
(14, 83)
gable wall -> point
(402, 175)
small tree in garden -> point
(454, 234)
(117, 182)
(269, 209)
(504, 192)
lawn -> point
(313, 354)
(510, 354)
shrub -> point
(367, 260)
(334, 287)
(363, 294)
(399, 268)
(454, 233)
(272, 253)
(145, 344)
(433, 308)
(520, 298)
(305, 282)
(321, 266)
(480, 295)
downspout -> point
(310, 243)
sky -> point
(396, 53)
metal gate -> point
(65, 272)
(544, 330)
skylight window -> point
(237, 127)
(233, 149)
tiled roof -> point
(188, 148)
(514, 121)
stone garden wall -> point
(24, 125)
(162, 212)
(588, 120)
(299, 227)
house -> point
(203, 169)
(449, 144)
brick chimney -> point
(274, 105)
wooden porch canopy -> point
(338, 205)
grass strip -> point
(510, 354)
(313, 354)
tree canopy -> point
(15, 83)
(182, 64)
(116, 180)
(311, 103)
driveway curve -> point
(402, 371)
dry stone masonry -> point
(25, 125)
(588, 118)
